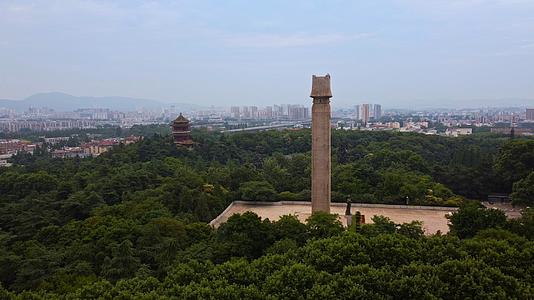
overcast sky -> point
(398, 53)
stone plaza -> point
(433, 218)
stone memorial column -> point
(321, 143)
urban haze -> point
(403, 54)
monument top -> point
(321, 87)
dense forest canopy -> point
(105, 131)
(132, 222)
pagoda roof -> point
(181, 119)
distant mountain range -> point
(65, 102)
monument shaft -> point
(321, 144)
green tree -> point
(243, 235)
(290, 227)
(293, 282)
(525, 224)
(79, 205)
(471, 218)
(323, 225)
(515, 161)
(413, 229)
(523, 191)
(257, 191)
(123, 264)
(384, 224)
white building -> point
(454, 132)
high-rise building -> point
(377, 111)
(278, 111)
(364, 113)
(234, 111)
(285, 109)
(246, 112)
(298, 112)
(253, 112)
(268, 112)
(530, 114)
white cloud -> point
(472, 8)
(289, 40)
(461, 4)
(531, 45)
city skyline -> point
(403, 54)
(48, 100)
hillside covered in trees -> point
(132, 222)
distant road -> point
(266, 127)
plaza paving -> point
(433, 218)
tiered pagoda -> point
(181, 132)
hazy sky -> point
(398, 53)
